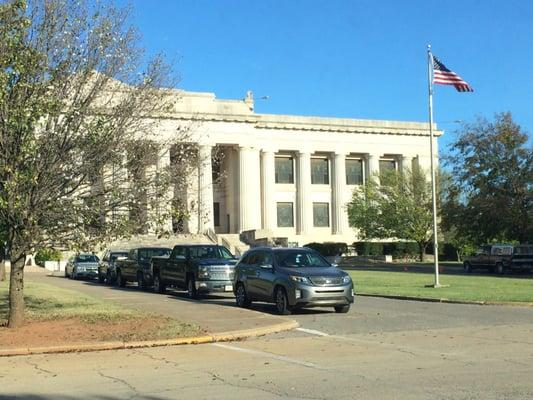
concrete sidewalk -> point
(218, 316)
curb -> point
(216, 337)
(448, 301)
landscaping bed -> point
(517, 289)
(57, 316)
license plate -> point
(228, 288)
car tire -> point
(500, 269)
(192, 293)
(108, 279)
(282, 302)
(141, 282)
(121, 282)
(467, 267)
(159, 286)
(241, 296)
(101, 278)
(342, 309)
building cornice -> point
(320, 124)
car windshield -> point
(114, 256)
(85, 258)
(299, 259)
(210, 252)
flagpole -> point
(433, 186)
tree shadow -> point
(31, 396)
(446, 269)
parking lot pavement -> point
(206, 313)
(381, 349)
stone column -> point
(406, 163)
(165, 202)
(304, 210)
(205, 189)
(267, 185)
(373, 167)
(339, 187)
(249, 193)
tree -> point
(490, 197)
(399, 208)
(74, 88)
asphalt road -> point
(382, 349)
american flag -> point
(443, 76)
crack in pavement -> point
(124, 382)
(279, 393)
(39, 369)
(159, 359)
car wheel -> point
(241, 297)
(101, 278)
(108, 279)
(282, 302)
(191, 288)
(467, 267)
(159, 287)
(121, 282)
(141, 282)
(500, 269)
(342, 309)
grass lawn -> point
(462, 287)
(47, 304)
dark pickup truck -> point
(137, 267)
(198, 268)
(500, 258)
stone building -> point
(281, 176)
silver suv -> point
(291, 278)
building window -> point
(319, 171)
(385, 169)
(321, 214)
(285, 215)
(216, 214)
(354, 171)
(284, 170)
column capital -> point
(341, 152)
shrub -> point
(47, 254)
(329, 249)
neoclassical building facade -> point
(282, 175)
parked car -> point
(522, 258)
(137, 266)
(107, 269)
(291, 278)
(500, 258)
(84, 265)
(198, 268)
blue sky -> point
(355, 59)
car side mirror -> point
(335, 265)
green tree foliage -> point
(75, 90)
(490, 195)
(399, 207)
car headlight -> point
(203, 271)
(299, 279)
(346, 279)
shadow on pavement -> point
(446, 269)
(29, 396)
(226, 300)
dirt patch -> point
(75, 331)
